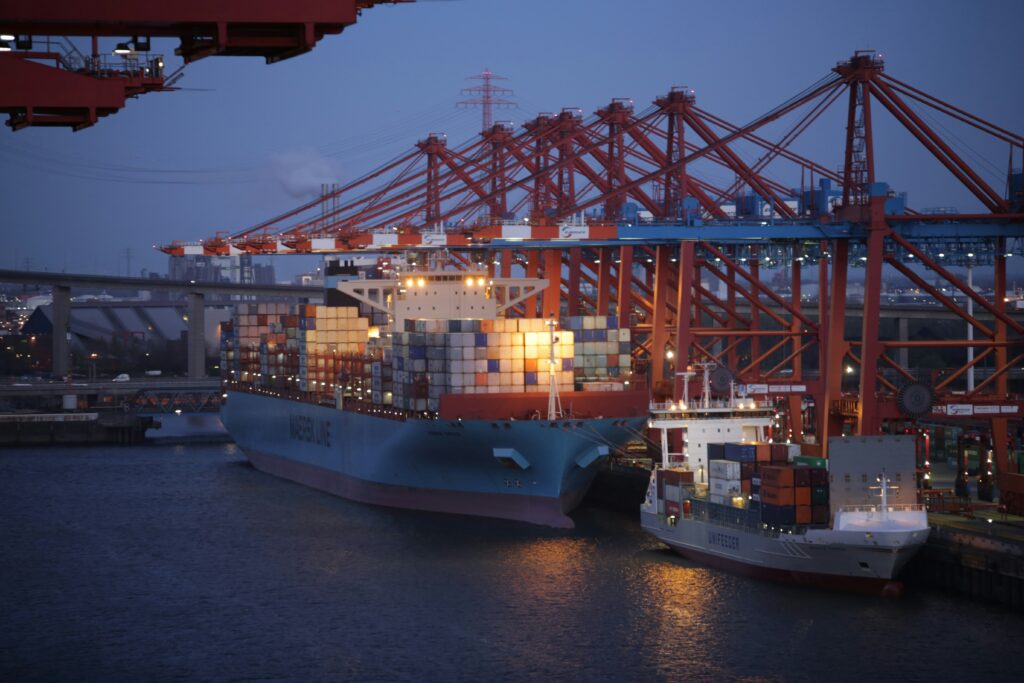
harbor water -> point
(182, 562)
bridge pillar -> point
(61, 363)
(196, 335)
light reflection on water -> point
(185, 562)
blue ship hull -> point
(530, 470)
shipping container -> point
(801, 476)
(803, 514)
(725, 486)
(724, 469)
(777, 475)
(819, 514)
(740, 452)
(778, 495)
(810, 461)
(802, 495)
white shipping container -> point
(725, 486)
(723, 469)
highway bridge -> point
(195, 292)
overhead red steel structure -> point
(57, 86)
(688, 276)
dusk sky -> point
(244, 141)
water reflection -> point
(676, 601)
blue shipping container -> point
(740, 452)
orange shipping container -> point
(777, 495)
(763, 452)
(745, 486)
(776, 474)
(481, 379)
(530, 365)
(802, 495)
(803, 514)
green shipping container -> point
(810, 461)
(819, 495)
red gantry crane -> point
(46, 80)
(669, 246)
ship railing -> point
(898, 507)
(697, 405)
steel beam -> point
(868, 417)
(573, 294)
(532, 271)
(684, 314)
(624, 290)
(659, 319)
(833, 333)
(551, 301)
(604, 280)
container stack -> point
(436, 357)
(794, 494)
(724, 482)
(381, 383)
(251, 327)
(602, 350)
(282, 347)
(229, 358)
(670, 483)
(750, 457)
(325, 335)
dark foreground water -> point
(184, 563)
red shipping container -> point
(802, 495)
(803, 514)
(777, 495)
(747, 470)
(764, 452)
(780, 453)
(745, 487)
(802, 476)
(776, 475)
(813, 449)
(819, 476)
(819, 514)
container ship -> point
(764, 510)
(418, 391)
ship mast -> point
(705, 399)
(554, 402)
